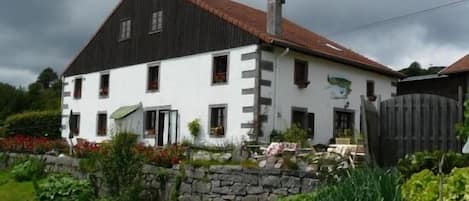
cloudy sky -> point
(37, 34)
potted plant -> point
(372, 98)
(344, 137)
(218, 131)
(194, 127)
(220, 77)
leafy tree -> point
(47, 78)
(415, 69)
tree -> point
(415, 69)
(47, 78)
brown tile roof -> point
(462, 65)
(294, 36)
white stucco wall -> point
(185, 85)
(316, 97)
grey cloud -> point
(36, 34)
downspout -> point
(275, 95)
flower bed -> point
(161, 157)
(32, 145)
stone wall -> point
(217, 183)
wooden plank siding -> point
(187, 30)
(413, 123)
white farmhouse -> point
(154, 66)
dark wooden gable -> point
(187, 30)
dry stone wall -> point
(217, 183)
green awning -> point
(125, 111)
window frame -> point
(149, 66)
(100, 93)
(122, 29)
(98, 134)
(304, 81)
(306, 120)
(77, 124)
(225, 120)
(227, 74)
(156, 19)
(155, 122)
(371, 90)
(352, 120)
(77, 91)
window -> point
(75, 124)
(303, 119)
(104, 86)
(301, 73)
(77, 88)
(370, 90)
(125, 29)
(153, 78)
(156, 24)
(343, 122)
(217, 120)
(220, 69)
(102, 124)
(150, 123)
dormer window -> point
(220, 69)
(125, 29)
(156, 23)
(301, 73)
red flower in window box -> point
(218, 131)
(220, 77)
(372, 98)
(153, 85)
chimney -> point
(274, 17)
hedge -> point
(36, 124)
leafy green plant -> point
(414, 163)
(359, 185)
(28, 170)
(462, 129)
(295, 134)
(122, 167)
(424, 186)
(64, 188)
(194, 127)
(276, 136)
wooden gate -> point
(413, 123)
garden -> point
(116, 169)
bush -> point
(121, 167)
(417, 162)
(64, 188)
(359, 185)
(295, 134)
(194, 127)
(424, 186)
(37, 124)
(28, 170)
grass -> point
(10, 190)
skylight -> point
(333, 47)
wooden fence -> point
(412, 123)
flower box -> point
(219, 77)
(218, 131)
(302, 84)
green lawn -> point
(10, 190)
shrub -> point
(85, 149)
(424, 186)
(64, 188)
(295, 134)
(194, 127)
(417, 162)
(360, 184)
(121, 167)
(28, 170)
(462, 129)
(32, 145)
(37, 124)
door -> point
(167, 127)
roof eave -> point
(338, 59)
